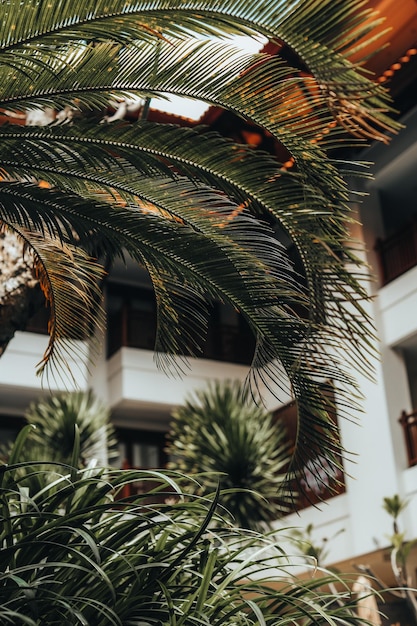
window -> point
(131, 316)
(139, 449)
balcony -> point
(132, 328)
(408, 422)
(398, 253)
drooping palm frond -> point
(188, 204)
(69, 279)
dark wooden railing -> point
(408, 422)
(397, 253)
(142, 487)
(137, 329)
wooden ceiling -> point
(393, 55)
(400, 26)
(391, 59)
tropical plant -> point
(394, 506)
(400, 552)
(191, 207)
(310, 546)
(55, 422)
(74, 554)
(223, 435)
(56, 419)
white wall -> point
(137, 387)
(19, 384)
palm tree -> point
(222, 436)
(191, 207)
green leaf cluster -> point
(57, 420)
(77, 553)
(394, 506)
(222, 436)
(315, 550)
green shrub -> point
(223, 435)
(55, 419)
(75, 553)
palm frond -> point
(300, 25)
(167, 232)
(187, 204)
(70, 281)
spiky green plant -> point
(401, 549)
(55, 423)
(394, 505)
(188, 205)
(74, 554)
(315, 550)
(222, 436)
(55, 419)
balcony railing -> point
(408, 422)
(137, 329)
(397, 253)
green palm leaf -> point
(187, 204)
(70, 280)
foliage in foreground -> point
(222, 435)
(74, 554)
(191, 207)
(311, 547)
